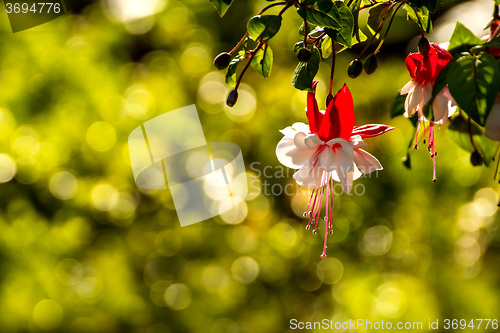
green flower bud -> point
(355, 68)
(371, 64)
(477, 49)
(232, 98)
(222, 60)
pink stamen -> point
(432, 145)
(415, 146)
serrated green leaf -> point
(343, 35)
(458, 132)
(473, 83)
(306, 71)
(326, 47)
(262, 62)
(221, 6)
(421, 16)
(322, 13)
(263, 27)
(398, 105)
(375, 16)
(231, 71)
(462, 39)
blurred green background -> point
(83, 249)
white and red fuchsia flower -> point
(424, 70)
(328, 150)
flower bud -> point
(232, 98)
(423, 46)
(371, 64)
(304, 55)
(355, 68)
(222, 60)
(476, 159)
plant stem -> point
(382, 22)
(388, 28)
(254, 52)
(333, 67)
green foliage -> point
(462, 40)
(263, 61)
(344, 34)
(376, 14)
(421, 16)
(322, 13)
(231, 70)
(468, 135)
(221, 5)
(263, 27)
(398, 105)
(306, 71)
(473, 82)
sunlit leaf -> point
(221, 6)
(306, 71)
(473, 83)
(263, 27)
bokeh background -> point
(83, 249)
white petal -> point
(415, 99)
(301, 127)
(309, 175)
(345, 166)
(408, 87)
(327, 159)
(312, 140)
(366, 162)
(293, 130)
(299, 140)
(290, 155)
(440, 109)
(357, 141)
(408, 112)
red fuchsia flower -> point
(494, 51)
(328, 150)
(424, 70)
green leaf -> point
(297, 46)
(221, 6)
(473, 83)
(421, 16)
(264, 27)
(343, 36)
(231, 71)
(306, 71)
(462, 39)
(398, 105)
(428, 4)
(459, 133)
(326, 47)
(262, 62)
(321, 13)
(375, 16)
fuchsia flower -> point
(328, 149)
(424, 70)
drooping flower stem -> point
(388, 28)
(379, 28)
(497, 157)
(332, 72)
(253, 53)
